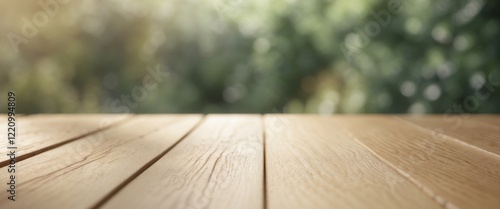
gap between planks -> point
(438, 199)
(145, 167)
(469, 170)
(64, 179)
(219, 165)
(263, 122)
(312, 164)
(43, 149)
(450, 137)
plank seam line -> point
(426, 190)
(42, 150)
(262, 117)
(146, 166)
(450, 138)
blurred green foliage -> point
(226, 56)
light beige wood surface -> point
(492, 120)
(220, 165)
(453, 173)
(39, 133)
(474, 131)
(255, 161)
(82, 173)
(312, 164)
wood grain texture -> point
(219, 165)
(81, 173)
(454, 174)
(477, 131)
(311, 163)
(488, 120)
(345, 161)
(38, 133)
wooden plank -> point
(311, 163)
(469, 130)
(453, 173)
(81, 173)
(40, 122)
(491, 120)
(39, 133)
(219, 165)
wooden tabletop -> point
(254, 161)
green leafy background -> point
(227, 56)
